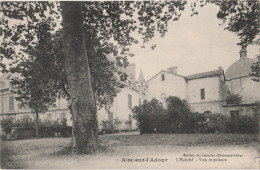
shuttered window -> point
(129, 101)
(11, 102)
(140, 101)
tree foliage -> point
(234, 99)
(149, 115)
(256, 71)
(240, 17)
(178, 111)
(103, 22)
(35, 87)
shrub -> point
(196, 123)
(105, 127)
(7, 124)
(149, 116)
(247, 124)
(234, 99)
(46, 128)
(179, 114)
(217, 123)
(129, 124)
(178, 118)
(117, 124)
(163, 124)
(25, 122)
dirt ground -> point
(136, 151)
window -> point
(49, 117)
(11, 102)
(140, 101)
(163, 78)
(129, 101)
(63, 116)
(163, 96)
(202, 94)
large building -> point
(9, 107)
(130, 95)
(207, 92)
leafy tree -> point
(178, 111)
(7, 124)
(35, 88)
(148, 116)
(241, 18)
(99, 22)
(256, 71)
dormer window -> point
(162, 76)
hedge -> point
(46, 128)
(178, 118)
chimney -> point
(172, 70)
(243, 52)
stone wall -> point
(213, 107)
(243, 110)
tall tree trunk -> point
(36, 125)
(85, 125)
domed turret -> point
(240, 68)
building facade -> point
(130, 95)
(9, 107)
(207, 92)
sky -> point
(193, 44)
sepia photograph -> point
(138, 84)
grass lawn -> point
(42, 153)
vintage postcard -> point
(130, 84)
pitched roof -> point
(165, 72)
(205, 74)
